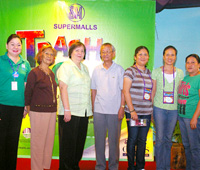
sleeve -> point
(31, 80)
(181, 74)
(154, 74)
(129, 73)
(93, 80)
(28, 68)
(63, 73)
(121, 77)
(86, 69)
(55, 69)
(198, 84)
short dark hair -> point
(138, 49)
(13, 36)
(168, 47)
(193, 55)
(74, 46)
(39, 55)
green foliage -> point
(176, 137)
(177, 133)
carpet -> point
(25, 164)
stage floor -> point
(25, 164)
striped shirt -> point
(141, 106)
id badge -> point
(147, 94)
(168, 97)
(14, 85)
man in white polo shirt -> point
(108, 107)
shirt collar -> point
(74, 65)
(113, 64)
(5, 57)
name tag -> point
(147, 94)
(14, 85)
(168, 97)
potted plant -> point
(178, 159)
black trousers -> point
(10, 124)
(72, 137)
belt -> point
(53, 105)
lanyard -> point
(164, 80)
(143, 77)
(14, 72)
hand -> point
(193, 123)
(121, 113)
(26, 111)
(134, 115)
(152, 118)
(67, 116)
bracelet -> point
(67, 110)
(25, 110)
(122, 106)
(132, 110)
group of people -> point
(111, 92)
(170, 97)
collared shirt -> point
(7, 95)
(109, 84)
(78, 82)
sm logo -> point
(76, 12)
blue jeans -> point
(137, 137)
(165, 121)
(191, 143)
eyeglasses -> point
(106, 52)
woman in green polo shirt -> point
(13, 75)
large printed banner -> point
(124, 23)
